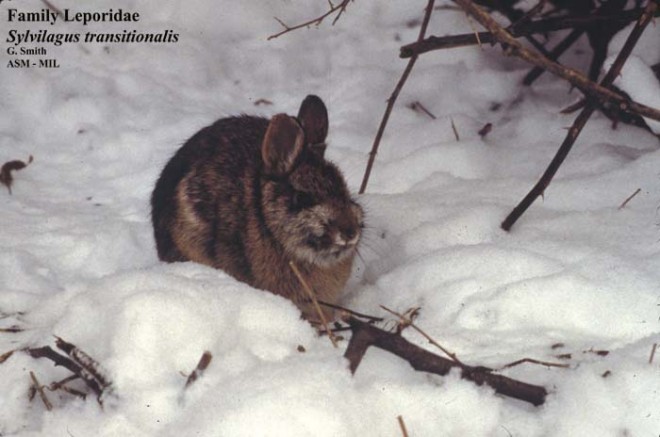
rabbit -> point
(248, 195)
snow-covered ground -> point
(575, 276)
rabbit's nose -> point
(340, 240)
(348, 237)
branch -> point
(513, 47)
(78, 363)
(365, 335)
(341, 7)
(581, 119)
(522, 30)
(392, 100)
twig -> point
(350, 311)
(5, 356)
(203, 363)
(315, 302)
(402, 425)
(581, 119)
(425, 335)
(485, 130)
(341, 7)
(366, 335)
(574, 107)
(453, 128)
(60, 385)
(533, 361)
(56, 385)
(392, 99)
(625, 202)
(417, 107)
(6, 177)
(653, 349)
(41, 392)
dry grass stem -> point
(410, 323)
(41, 392)
(315, 302)
(402, 425)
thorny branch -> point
(366, 335)
(521, 30)
(511, 46)
(581, 119)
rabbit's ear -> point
(314, 120)
(282, 145)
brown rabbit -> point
(248, 195)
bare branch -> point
(366, 335)
(392, 100)
(339, 9)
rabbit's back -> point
(205, 193)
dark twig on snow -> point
(339, 9)
(418, 107)
(6, 177)
(393, 97)
(653, 349)
(203, 363)
(5, 356)
(534, 361)
(629, 198)
(581, 119)
(366, 335)
(402, 425)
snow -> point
(576, 275)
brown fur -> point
(247, 195)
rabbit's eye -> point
(301, 200)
